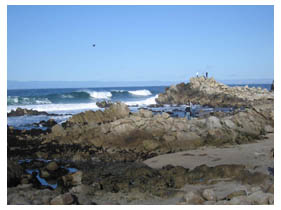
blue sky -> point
(139, 43)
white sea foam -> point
(26, 121)
(27, 101)
(56, 107)
(43, 101)
(119, 91)
(13, 99)
(67, 96)
(140, 92)
(145, 102)
(97, 94)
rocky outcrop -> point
(212, 93)
(116, 129)
(104, 104)
(114, 112)
(22, 112)
(48, 124)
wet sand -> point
(255, 156)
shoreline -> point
(142, 157)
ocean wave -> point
(17, 100)
(148, 101)
(98, 94)
(67, 96)
(140, 92)
(79, 96)
(56, 107)
(118, 91)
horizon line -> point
(130, 80)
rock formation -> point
(104, 104)
(209, 92)
(117, 129)
(21, 112)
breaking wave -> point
(144, 102)
(14, 100)
(99, 95)
(140, 92)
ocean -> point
(69, 101)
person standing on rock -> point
(206, 75)
(191, 109)
(188, 110)
(197, 74)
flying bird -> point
(94, 45)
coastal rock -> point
(207, 91)
(261, 198)
(145, 113)
(22, 112)
(52, 166)
(269, 129)
(49, 123)
(157, 133)
(27, 195)
(64, 199)
(14, 173)
(270, 189)
(236, 194)
(114, 112)
(150, 145)
(193, 198)
(229, 123)
(44, 173)
(73, 179)
(209, 195)
(213, 122)
(16, 199)
(103, 104)
(165, 115)
(58, 130)
(239, 200)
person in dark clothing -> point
(188, 111)
(272, 86)
(206, 74)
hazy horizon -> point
(11, 84)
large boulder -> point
(213, 122)
(193, 198)
(104, 104)
(145, 113)
(73, 179)
(209, 195)
(52, 166)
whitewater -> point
(69, 101)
